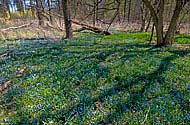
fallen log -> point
(84, 26)
(91, 28)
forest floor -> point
(95, 79)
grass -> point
(142, 37)
(182, 39)
(95, 79)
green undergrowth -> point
(96, 79)
(143, 36)
(182, 39)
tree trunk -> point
(152, 33)
(158, 19)
(94, 13)
(59, 10)
(97, 11)
(68, 23)
(32, 7)
(124, 10)
(3, 11)
(129, 11)
(7, 7)
(173, 24)
(19, 5)
(159, 25)
(49, 9)
(143, 16)
(148, 25)
(159, 34)
(39, 9)
(142, 24)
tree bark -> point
(152, 33)
(7, 7)
(173, 24)
(124, 10)
(159, 25)
(4, 7)
(148, 25)
(158, 22)
(91, 28)
(39, 8)
(49, 9)
(94, 13)
(67, 20)
(32, 8)
(143, 17)
(129, 11)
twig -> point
(3, 55)
(6, 84)
(56, 28)
(146, 116)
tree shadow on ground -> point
(147, 79)
(136, 97)
(97, 56)
(125, 85)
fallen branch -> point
(3, 55)
(91, 28)
(146, 116)
(122, 31)
(20, 72)
(80, 29)
(14, 28)
(84, 26)
(6, 84)
(6, 53)
(56, 28)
